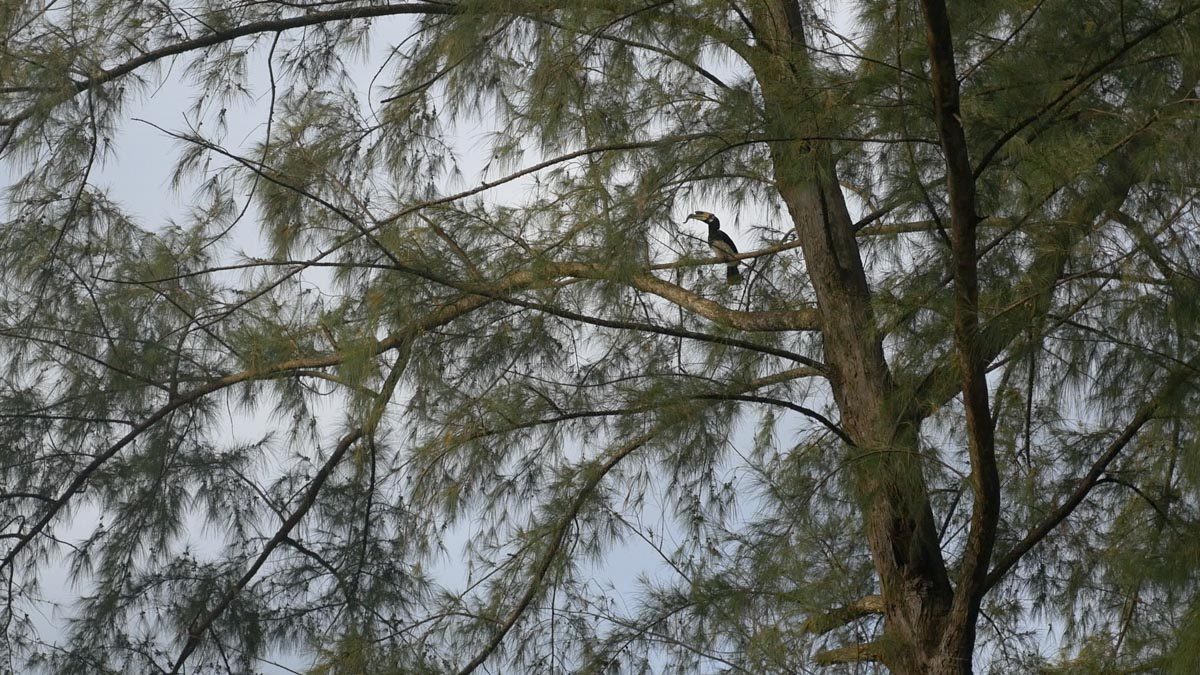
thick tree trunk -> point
(917, 594)
(898, 519)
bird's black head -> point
(704, 217)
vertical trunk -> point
(959, 639)
(898, 519)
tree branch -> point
(438, 317)
(1039, 532)
(736, 393)
(217, 37)
(869, 651)
(201, 624)
(804, 319)
(836, 618)
(972, 359)
(598, 472)
(803, 410)
(757, 321)
(1076, 86)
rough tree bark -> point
(928, 623)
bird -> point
(720, 243)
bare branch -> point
(768, 321)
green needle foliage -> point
(425, 376)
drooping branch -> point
(603, 34)
(475, 296)
(200, 625)
(1042, 274)
(736, 392)
(795, 407)
(154, 418)
(766, 321)
(434, 319)
(1080, 83)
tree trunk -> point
(898, 519)
(885, 464)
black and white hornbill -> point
(720, 243)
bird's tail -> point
(732, 274)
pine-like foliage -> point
(422, 373)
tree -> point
(912, 435)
